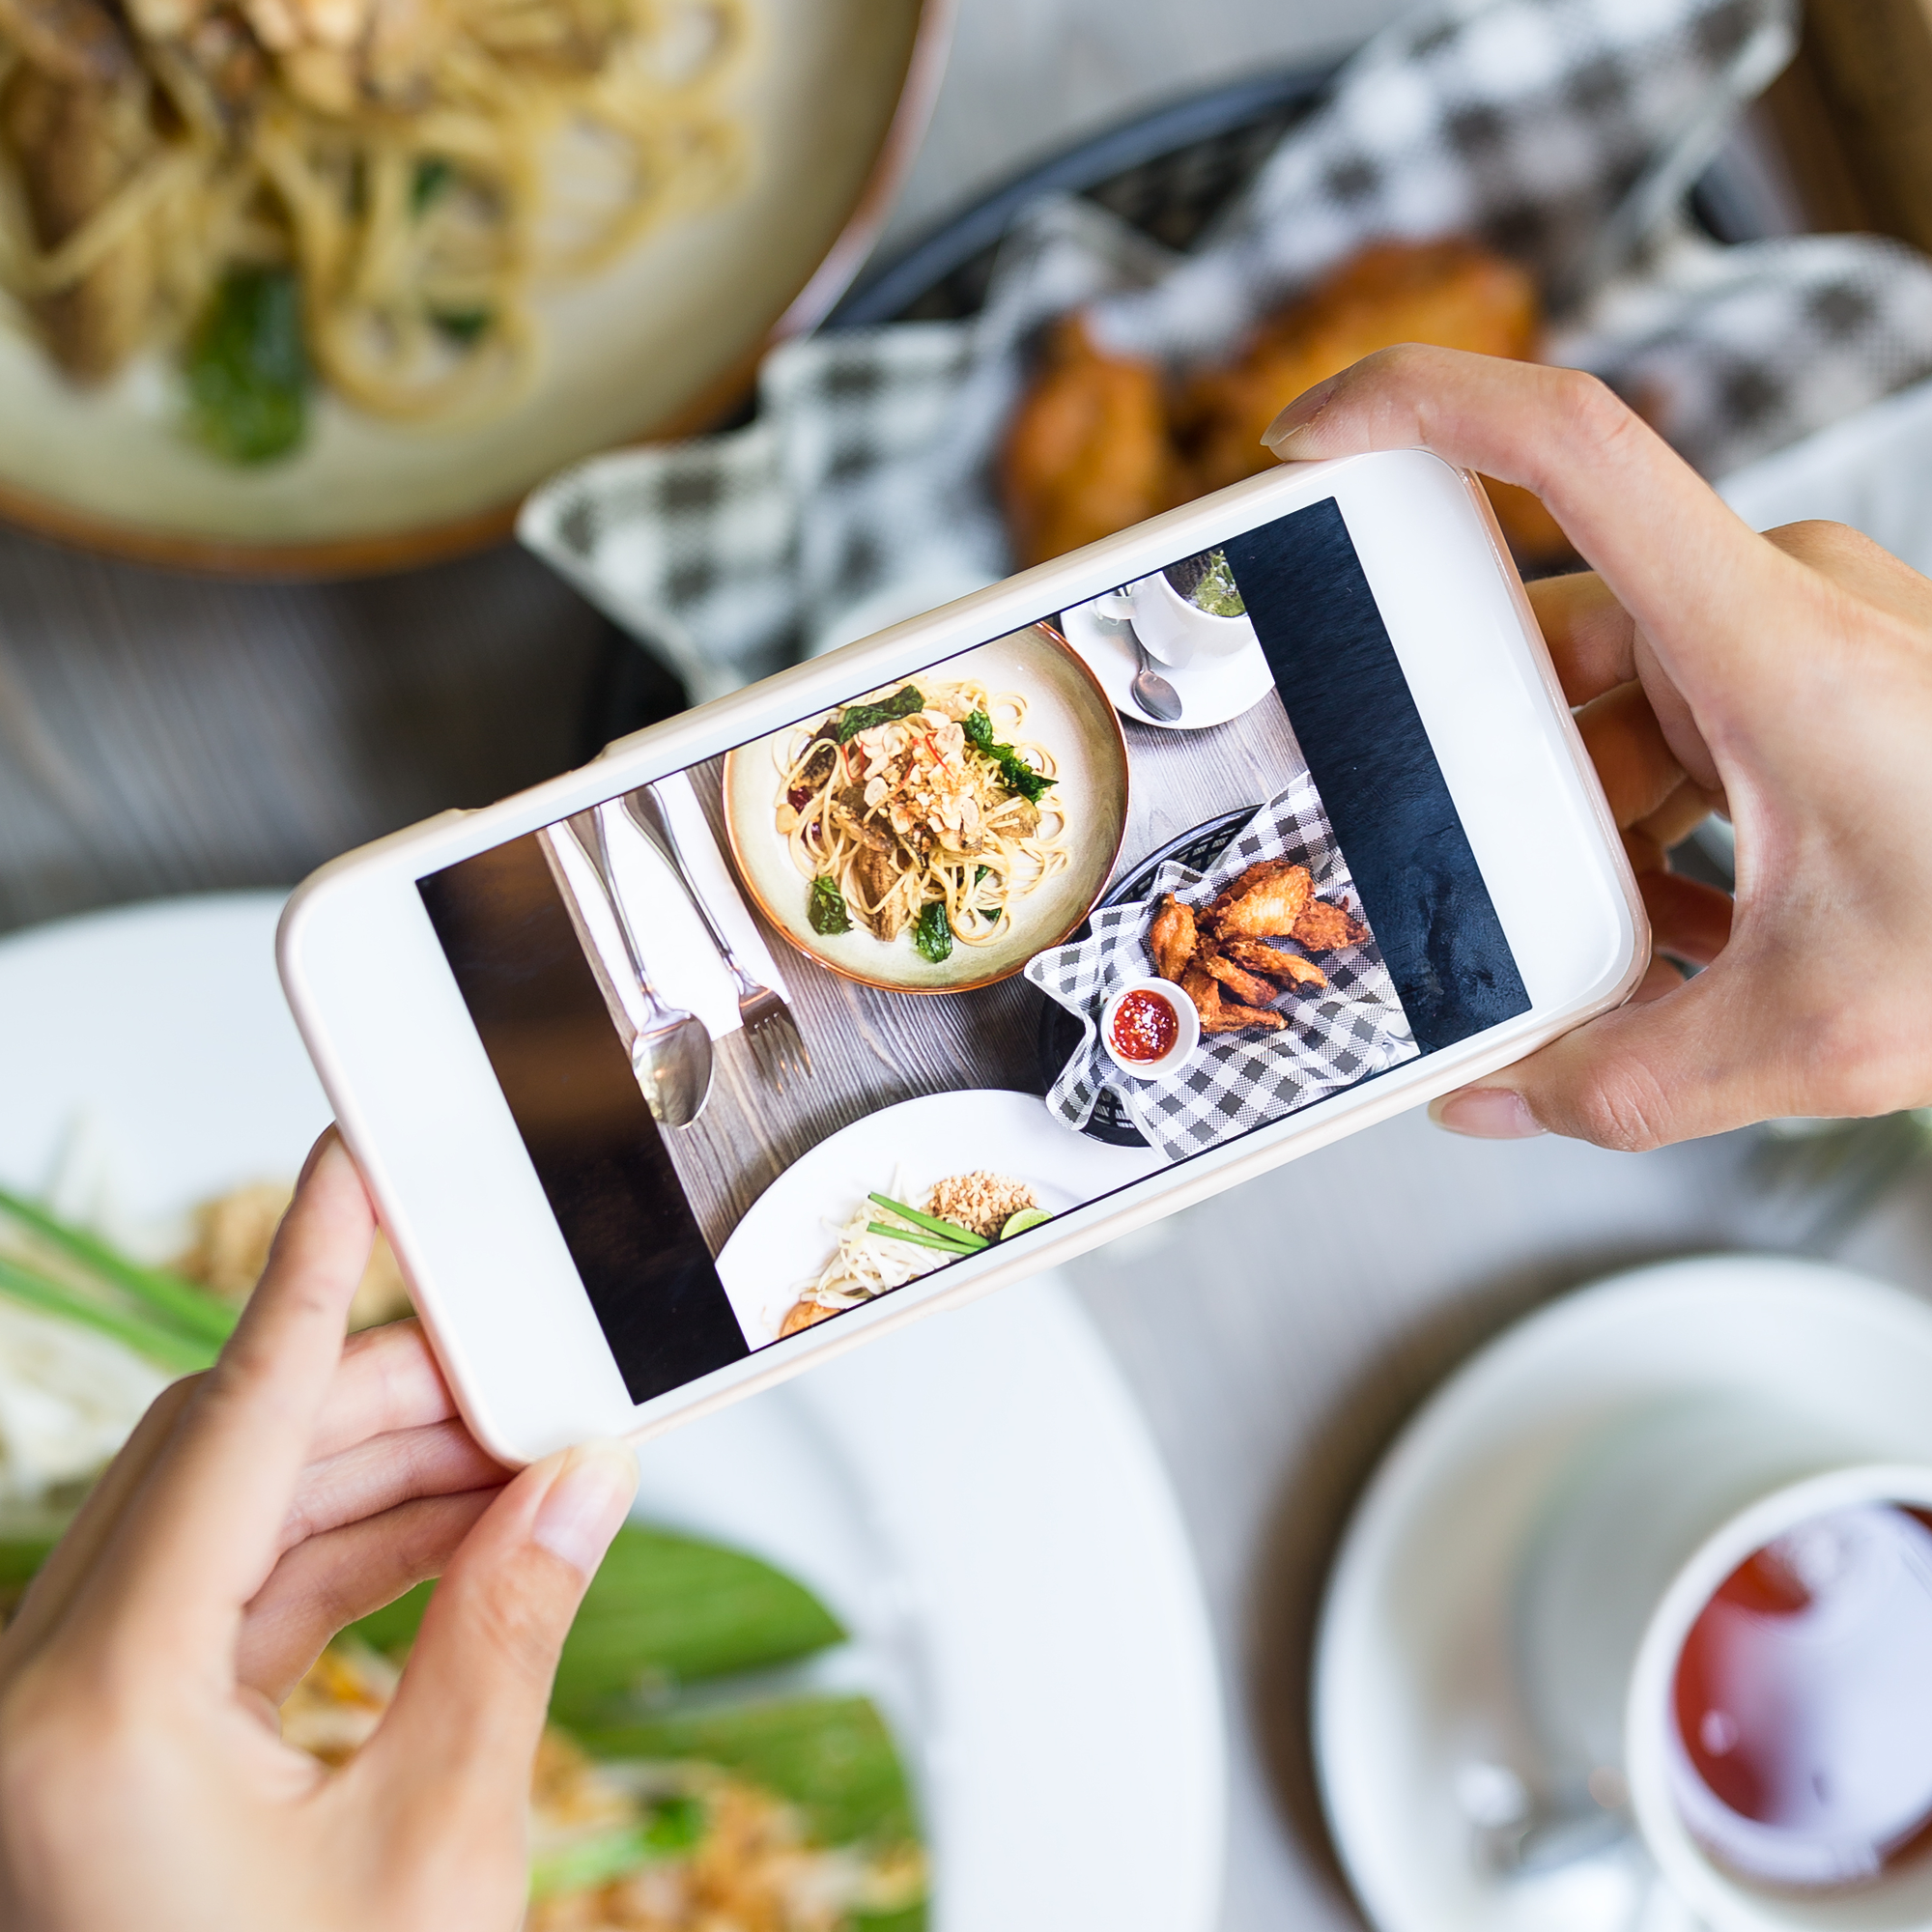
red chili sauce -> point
(1146, 1027)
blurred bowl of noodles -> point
(325, 286)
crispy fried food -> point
(1268, 910)
(1228, 1017)
(1173, 937)
(1202, 990)
(1259, 956)
(1250, 988)
(1325, 926)
(1086, 452)
(1451, 293)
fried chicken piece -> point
(1228, 1017)
(1086, 452)
(1324, 926)
(1202, 990)
(1452, 294)
(1259, 956)
(1173, 937)
(1250, 988)
(1268, 910)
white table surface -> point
(164, 733)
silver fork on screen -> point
(769, 1027)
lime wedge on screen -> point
(1018, 1224)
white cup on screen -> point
(1728, 1610)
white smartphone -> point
(947, 956)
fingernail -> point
(1294, 422)
(583, 1507)
(1485, 1114)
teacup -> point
(1177, 631)
(1654, 1520)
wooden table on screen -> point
(871, 1048)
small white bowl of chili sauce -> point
(1148, 1027)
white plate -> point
(976, 1496)
(1412, 1670)
(1211, 689)
(790, 1231)
(618, 351)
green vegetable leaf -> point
(1016, 774)
(247, 369)
(831, 1756)
(464, 325)
(433, 173)
(165, 1347)
(676, 1825)
(857, 717)
(826, 911)
(932, 933)
(663, 1610)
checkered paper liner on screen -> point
(1231, 1082)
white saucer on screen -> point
(1415, 1704)
(975, 1497)
(1211, 689)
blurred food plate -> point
(976, 1499)
(1083, 814)
(769, 169)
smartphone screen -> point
(957, 885)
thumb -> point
(1660, 1069)
(468, 1715)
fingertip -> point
(1290, 435)
(586, 1503)
(1485, 1114)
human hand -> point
(298, 1485)
(1785, 680)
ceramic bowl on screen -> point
(1149, 1028)
(1068, 718)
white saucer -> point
(1412, 1675)
(1211, 689)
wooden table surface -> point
(163, 734)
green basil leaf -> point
(826, 912)
(932, 934)
(857, 717)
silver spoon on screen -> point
(1151, 692)
(671, 1057)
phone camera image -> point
(915, 975)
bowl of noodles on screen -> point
(333, 283)
(934, 835)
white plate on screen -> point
(1211, 689)
(976, 1496)
(1412, 1675)
(790, 1231)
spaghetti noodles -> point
(418, 168)
(920, 821)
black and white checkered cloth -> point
(1564, 132)
(1231, 1082)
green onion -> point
(920, 1239)
(190, 1309)
(163, 1346)
(959, 1236)
(676, 1825)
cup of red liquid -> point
(1149, 1027)
(1729, 1619)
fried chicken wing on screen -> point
(1249, 988)
(1324, 926)
(1257, 956)
(1268, 910)
(1172, 938)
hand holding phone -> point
(1055, 963)
(1784, 680)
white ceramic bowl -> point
(1186, 1039)
(1177, 630)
